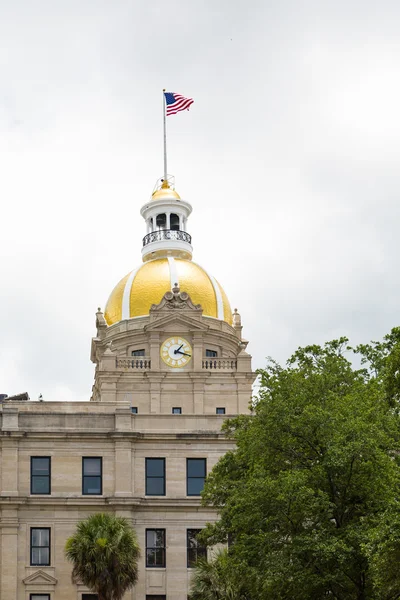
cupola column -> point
(168, 224)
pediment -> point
(176, 322)
(40, 578)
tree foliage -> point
(217, 580)
(311, 491)
(104, 552)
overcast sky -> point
(289, 156)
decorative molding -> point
(176, 300)
(40, 578)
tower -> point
(169, 347)
(170, 366)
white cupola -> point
(166, 216)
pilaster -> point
(9, 467)
(9, 553)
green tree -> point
(217, 580)
(104, 552)
(314, 470)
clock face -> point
(176, 352)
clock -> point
(176, 352)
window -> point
(174, 222)
(90, 597)
(176, 410)
(195, 474)
(40, 474)
(155, 476)
(155, 547)
(40, 597)
(211, 353)
(138, 352)
(92, 475)
(156, 597)
(161, 221)
(195, 549)
(40, 546)
(134, 410)
(220, 410)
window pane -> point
(196, 467)
(40, 485)
(138, 352)
(40, 466)
(155, 486)
(90, 597)
(191, 537)
(160, 557)
(160, 537)
(176, 410)
(150, 557)
(92, 485)
(92, 466)
(40, 556)
(40, 537)
(42, 597)
(195, 486)
(155, 467)
(151, 538)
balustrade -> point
(166, 235)
(227, 364)
(139, 364)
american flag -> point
(176, 103)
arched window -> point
(161, 221)
(174, 222)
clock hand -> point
(183, 353)
(177, 351)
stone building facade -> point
(170, 366)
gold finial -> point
(165, 185)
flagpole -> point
(165, 138)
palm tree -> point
(215, 580)
(104, 551)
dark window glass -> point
(40, 475)
(161, 221)
(196, 469)
(134, 410)
(176, 410)
(40, 597)
(220, 411)
(40, 546)
(195, 549)
(92, 476)
(138, 352)
(174, 222)
(155, 476)
(90, 597)
(211, 353)
(155, 547)
(155, 597)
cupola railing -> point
(167, 234)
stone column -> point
(198, 393)
(197, 351)
(155, 393)
(9, 553)
(168, 221)
(154, 341)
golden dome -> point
(165, 193)
(135, 293)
